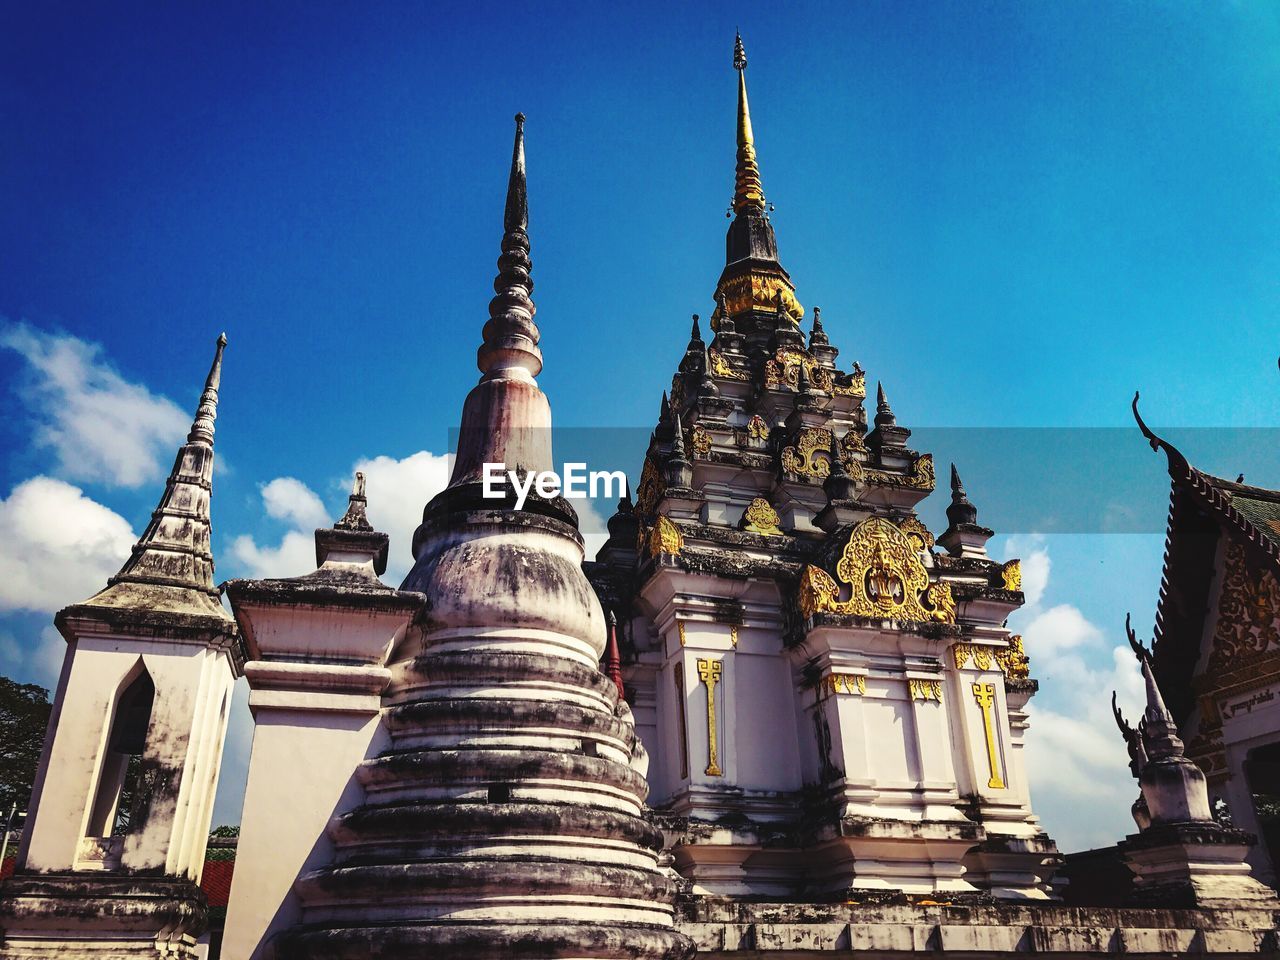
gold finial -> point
(748, 193)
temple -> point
(776, 716)
(832, 704)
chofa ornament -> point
(882, 569)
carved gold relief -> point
(925, 689)
(1013, 660)
(984, 695)
(921, 476)
(722, 368)
(757, 429)
(699, 441)
(811, 456)
(1247, 609)
(733, 635)
(884, 575)
(709, 674)
(761, 518)
(964, 652)
(852, 444)
(1012, 574)
(856, 387)
(665, 537)
(843, 683)
(783, 370)
(759, 291)
(649, 492)
(677, 394)
(918, 532)
(680, 631)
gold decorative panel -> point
(925, 689)
(699, 441)
(964, 652)
(881, 568)
(761, 518)
(811, 456)
(759, 291)
(984, 695)
(722, 368)
(843, 683)
(665, 537)
(709, 674)
(649, 492)
(1248, 606)
(1011, 572)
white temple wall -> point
(187, 679)
(301, 775)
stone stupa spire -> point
(171, 566)
(506, 418)
(506, 745)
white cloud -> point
(288, 499)
(1077, 765)
(1036, 565)
(101, 427)
(294, 556)
(57, 546)
(397, 492)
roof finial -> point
(961, 511)
(838, 486)
(817, 336)
(884, 413)
(355, 518)
(695, 332)
(207, 411)
(1174, 456)
(511, 337)
(748, 192)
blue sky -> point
(1014, 214)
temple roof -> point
(1202, 509)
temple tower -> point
(833, 706)
(112, 855)
(503, 818)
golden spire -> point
(748, 193)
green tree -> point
(24, 714)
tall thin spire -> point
(207, 411)
(171, 566)
(748, 193)
(510, 347)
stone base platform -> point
(100, 917)
(746, 931)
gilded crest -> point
(761, 518)
(1013, 660)
(757, 429)
(882, 570)
(665, 537)
(1011, 572)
